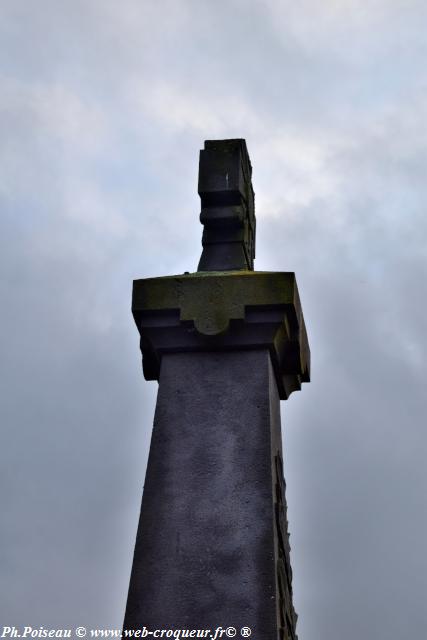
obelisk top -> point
(228, 209)
(226, 305)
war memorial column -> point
(226, 344)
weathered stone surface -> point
(228, 209)
(205, 553)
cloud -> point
(104, 107)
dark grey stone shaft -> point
(206, 546)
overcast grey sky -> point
(104, 107)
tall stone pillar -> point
(226, 344)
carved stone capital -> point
(231, 310)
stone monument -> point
(226, 344)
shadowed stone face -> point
(204, 552)
(228, 211)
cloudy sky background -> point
(104, 106)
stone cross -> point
(228, 209)
(226, 344)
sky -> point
(104, 107)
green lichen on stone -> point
(212, 299)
